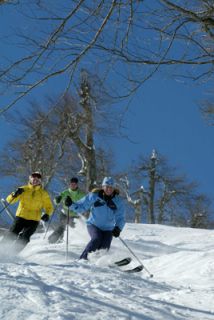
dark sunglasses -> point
(36, 175)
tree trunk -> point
(151, 216)
(90, 155)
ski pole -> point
(67, 234)
(6, 206)
(9, 213)
(150, 274)
(50, 221)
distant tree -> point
(135, 199)
(199, 212)
(207, 109)
(40, 145)
(61, 140)
(166, 197)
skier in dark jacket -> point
(107, 215)
(76, 194)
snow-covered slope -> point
(41, 284)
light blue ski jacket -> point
(101, 215)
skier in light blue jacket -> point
(107, 215)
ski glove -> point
(18, 192)
(116, 232)
(68, 201)
(58, 199)
(45, 217)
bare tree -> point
(199, 212)
(162, 192)
(135, 198)
(128, 40)
(152, 186)
(60, 141)
(40, 146)
(207, 110)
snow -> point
(44, 282)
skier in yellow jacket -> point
(32, 200)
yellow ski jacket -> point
(32, 201)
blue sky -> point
(164, 115)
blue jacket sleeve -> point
(84, 204)
(120, 215)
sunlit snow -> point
(44, 282)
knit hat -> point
(108, 181)
(74, 180)
(36, 174)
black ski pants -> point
(21, 231)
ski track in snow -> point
(40, 284)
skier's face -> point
(108, 190)
(73, 185)
(35, 181)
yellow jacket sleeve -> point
(47, 203)
(11, 199)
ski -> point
(123, 262)
(136, 269)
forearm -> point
(11, 199)
(82, 205)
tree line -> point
(126, 42)
(60, 141)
